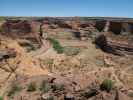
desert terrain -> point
(66, 58)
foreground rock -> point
(61, 88)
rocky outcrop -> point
(16, 28)
(100, 25)
(115, 27)
(74, 86)
(21, 29)
(118, 27)
(130, 25)
(115, 47)
(64, 24)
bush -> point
(45, 87)
(31, 87)
(1, 98)
(58, 87)
(107, 85)
(48, 62)
(130, 94)
(1, 29)
(50, 98)
(15, 88)
(2, 18)
(29, 46)
(56, 45)
(90, 93)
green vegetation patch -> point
(130, 94)
(1, 98)
(58, 87)
(45, 86)
(48, 62)
(0, 29)
(32, 87)
(56, 45)
(107, 85)
(14, 89)
(90, 93)
(2, 18)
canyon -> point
(73, 55)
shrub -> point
(29, 46)
(56, 45)
(1, 98)
(50, 98)
(90, 93)
(2, 18)
(58, 87)
(130, 94)
(1, 29)
(107, 85)
(45, 87)
(31, 87)
(14, 88)
(48, 61)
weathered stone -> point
(22, 29)
(116, 47)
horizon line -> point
(72, 16)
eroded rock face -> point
(20, 29)
(115, 27)
(109, 45)
(64, 24)
(23, 30)
(16, 27)
(100, 25)
(130, 27)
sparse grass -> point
(71, 51)
(56, 45)
(130, 94)
(1, 98)
(107, 85)
(63, 35)
(14, 88)
(44, 87)
(49, 63)
(1, 29)
(58, 87)
(31, 87)
(2, 18)
(51, 98)
(28, 46)
(90, 93)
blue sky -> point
(108, 8)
